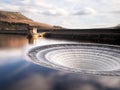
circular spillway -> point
(80, 58)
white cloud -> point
(42, 4)
(73, 0)
(115, 12)
(63, 12)
(9, 7)
(25, 1)
(55, 12)
(84, 11)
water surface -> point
(18, 73)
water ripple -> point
(79, 58)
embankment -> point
(106, 36)
(20, 32)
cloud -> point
(116, 12)
(63, 12)
(9, 7)
(42, 4)
(73, 0)
(30, 10)
(49, 9)
(55, 12)
(84, 11)
(25, 1)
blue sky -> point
(68, 13)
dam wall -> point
(107, 36)
(21, 32)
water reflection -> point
(12, 41)
(16, 73)
(16, 41)
(33, 41)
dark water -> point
(18, 73)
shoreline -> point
(64, 31)
(105, 36)
(20, 32)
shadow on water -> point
(16, 73)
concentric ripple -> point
(80, 58)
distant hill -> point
(17, 21)
(117, 27)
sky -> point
(68, 13)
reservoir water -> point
(61, 69)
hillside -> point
(17, 21)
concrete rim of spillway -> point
(85, 58)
